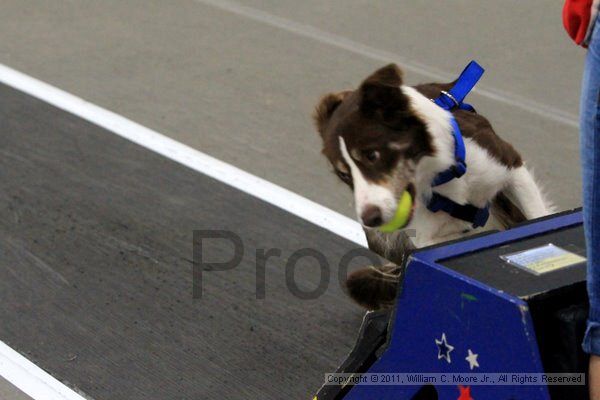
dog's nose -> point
(371, 216)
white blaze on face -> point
(367, 193)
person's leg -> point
(590, 164)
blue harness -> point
(449, 101)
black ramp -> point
(96, 271)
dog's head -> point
(373, 138)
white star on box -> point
(472, 359)
(444, 348)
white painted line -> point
(308, 31)
(192, 158)
(31, 379)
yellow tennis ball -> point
(402, 214)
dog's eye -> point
(371, 156)
(345, 177)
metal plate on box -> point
(542, 259)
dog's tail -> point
(506, 212)
(509, 210)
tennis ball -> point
(402, 214)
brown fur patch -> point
(478, 128)
(374, 288)
(370, 118)
(326, 107)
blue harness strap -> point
(460, 167)
(453, 99)
(467, 212)
(464, 84)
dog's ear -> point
(380, 93)
(324, 110)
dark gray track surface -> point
(96, 271)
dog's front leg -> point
(375, 287)
(395, 246)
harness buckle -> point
(459, 169)
(481, 217)
(436, 203)
(449, 96)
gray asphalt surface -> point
(238, 80)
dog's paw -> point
(374, 288)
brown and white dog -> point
(384, 138)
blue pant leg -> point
(590, 164)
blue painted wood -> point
(436, 301)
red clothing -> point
(579, 17)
